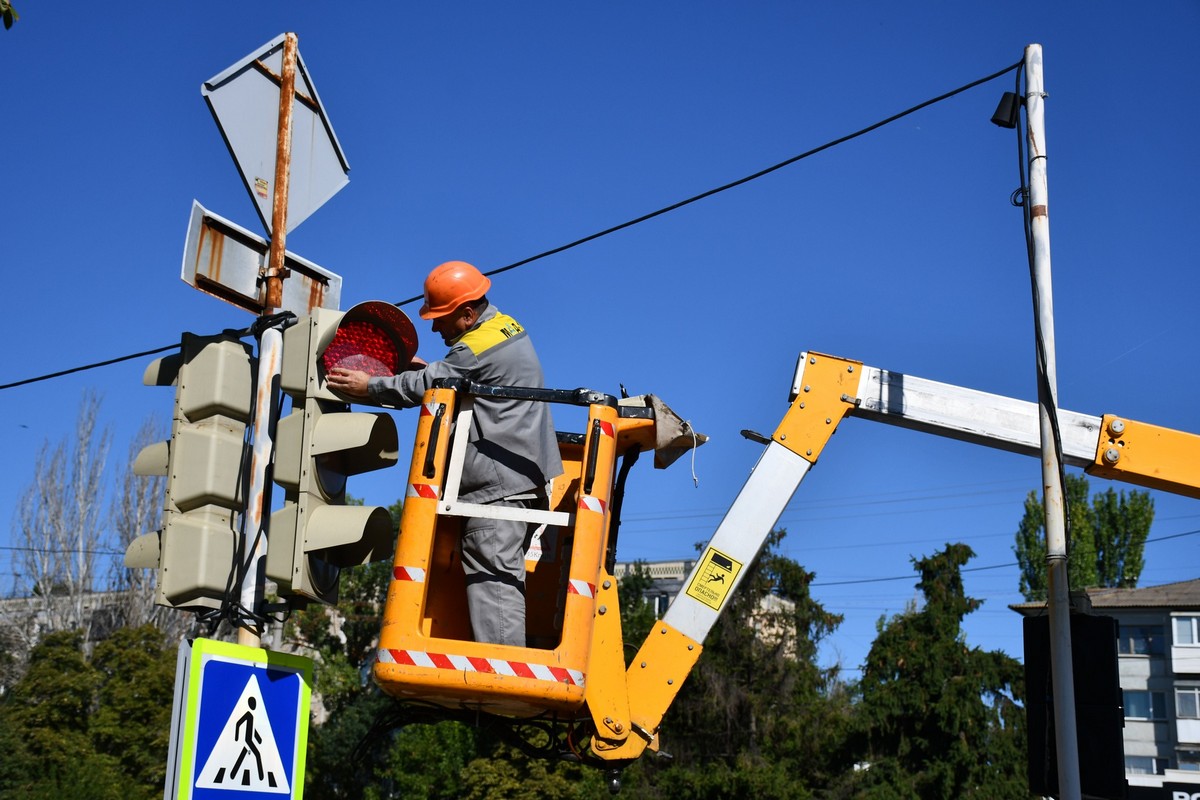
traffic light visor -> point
(374, 337)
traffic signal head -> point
(373, 337)
(204, 466)
(321, 442)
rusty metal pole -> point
(276, 271)
(1058, 599)
(270, 356)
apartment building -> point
(1158, 660)
(668, 577)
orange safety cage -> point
(425, 647)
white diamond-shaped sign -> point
(244, 100)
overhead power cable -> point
(977, 569)
(747, 179)
(852, 582)
(90, 366)
(614, 228)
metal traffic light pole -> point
(1058, 599)
(270, 354)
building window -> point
(1140, 640)
(1189, 760)
(1187, 702)
(1186, 630)
(1145, 705)
(1144, 765)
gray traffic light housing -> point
(204, 464)
(321, 442)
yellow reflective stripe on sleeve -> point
(491, 333)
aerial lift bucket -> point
(425, 650)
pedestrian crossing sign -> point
(239, 728)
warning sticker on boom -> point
(714, 579)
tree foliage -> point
(8, 13)
(135, 680)
(937, 718)
(58, 525)
(637, 615)
(1105, 539)
(136, 509)
(62, 527)
(89, 728)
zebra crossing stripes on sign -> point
(246, 756)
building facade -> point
(668, 577)
(1158, 659)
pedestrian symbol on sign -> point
(245, 756)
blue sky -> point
(492, 132)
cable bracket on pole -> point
(282, 320)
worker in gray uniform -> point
(512, 452)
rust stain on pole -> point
(276, 271)
(1038, 211)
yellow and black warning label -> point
(714, 579)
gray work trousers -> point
(493, 557)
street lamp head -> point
(1007, 110)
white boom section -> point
(970, 415)
(884, 396)
(740, 536)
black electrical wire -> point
(606, 231)
(852, 582)
(236, 332)
(90, 366)
(740, 181)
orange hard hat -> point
(450, 285)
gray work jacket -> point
(511, 448)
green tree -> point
(44, 735)
(135, 687)
(1105, 539)
(637, 616)
(504, 772)
(935, 717)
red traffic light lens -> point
(362, 346)
(375, 337)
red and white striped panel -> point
(581, 588)
(415, 574)
(491, 666)
(425, 491)
(606, 428)
(589, 503)
(429, 409)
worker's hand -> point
(348, 382)
(417, 363)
